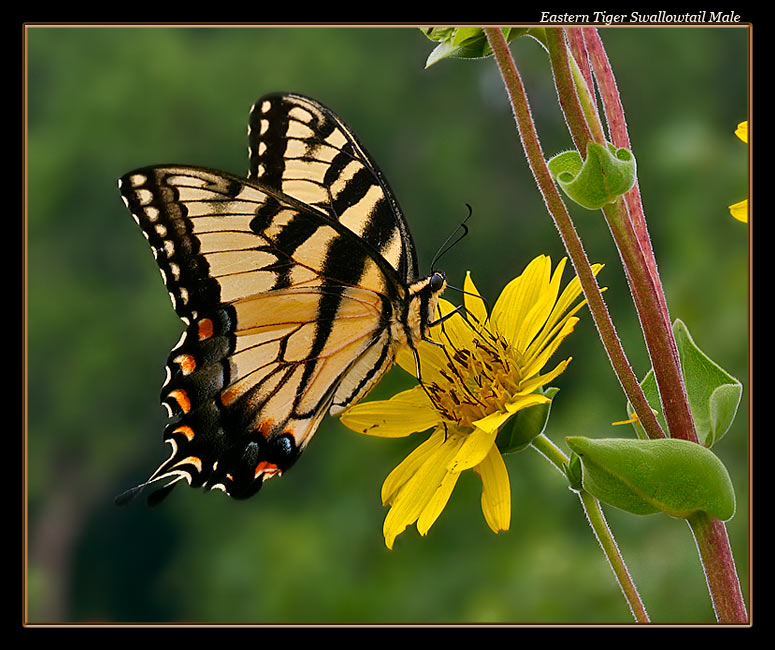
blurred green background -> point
(309, 547)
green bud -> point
(674, 476)
(606, 174)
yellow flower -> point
(740, 210)
(486, 369)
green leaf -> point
(668, 475)
(714, 395)
(606, 173)
(525, 425)
(463, 42)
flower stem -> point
(599, 525)
(607, 542)
(551, 452)
(718, 563)
(562, 220)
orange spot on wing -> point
(267, 469)
(191, 460)
(229, 395)
(265, 427)
(181, 397)
(185, 430)
(205, 329)
(186, 362)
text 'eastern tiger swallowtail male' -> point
(297, 286)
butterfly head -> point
(423, 301)
(437, 283)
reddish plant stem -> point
(566, 91)
(646, 291)
(564, 224)
(718, 562)
(579, 49)
(617, 127)
(657, 332)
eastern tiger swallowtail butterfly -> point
(297, 287)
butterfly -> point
(297, 286)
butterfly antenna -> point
(446, 246)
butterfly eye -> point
(436, 282)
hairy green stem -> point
(579, 50)
(586, 100)
(599, 525)
(564, 224)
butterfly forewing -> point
(304, 150)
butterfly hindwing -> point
(260, 281)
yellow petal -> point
(475, 307)
(526, 401)
(536, 318)
(496, 491)
(437, 503)
(740, 211)
(409, 466)
(493, 421)
(405, 413)
(518, 296)
(432, 358)
(529, 385)
(742, 131)
(475, 447)
(417, 492)
(454, 331)
(537, 359)
(568, 296)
